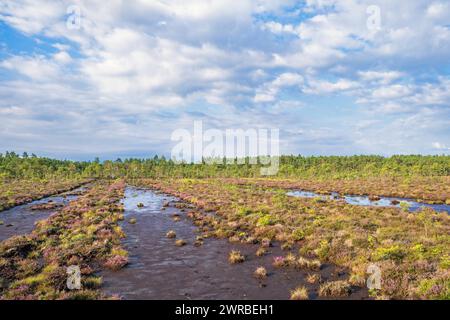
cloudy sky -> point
(336, 77)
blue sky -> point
(335, 77)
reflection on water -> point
(366, 201)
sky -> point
(80, 79)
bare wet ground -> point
(20, 220)
(160, 270)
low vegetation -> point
(18, 192)
(171, 234)
(230, 202)
(411, 249)
(235, 256)
(85, 234)
(260, 273)
(299, 293)
(335, 289)
(180, 243)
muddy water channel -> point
(365, 201)
(158, 269)
(20, 220)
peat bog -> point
(21, 219)
(158, 269)
(151, 229)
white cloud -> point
(268, 91)
(391, 92)
(382, 77)
(36, 68)
(440, 146)
(327, 87)
(438, 10)
(62, 57)
(31, 16)
(136, 70)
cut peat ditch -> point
(20, 220)
(158, 269)
(410, 204)
(24, 200)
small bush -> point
(287, 246)
(180, 243)
(335, 289)
(92, 282)
(405, 206)
(171, 234)
(313, 278)
(390, 253)
(302, 262)
(261, 251)
(290, 260)
(323, 250)
(260, 273)
(299, 293)
(235, 256)
(314, 264)
(436, 289)
(298, 234)
(116, 262)
(278, 262)
(266, 220)
(198, 243)
(242, 212)
(265, 243)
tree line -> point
(15, 166)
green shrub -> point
(266, 220)
(298, 234)
(242, 212)
(390, 253)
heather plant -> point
(299, 293)
(348, 236)
(84, 233)
(235, 256)
(335, 289)
(260, 273)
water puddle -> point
(160, 270)
(366, 201)
(20, 220)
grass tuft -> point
(235, 256)
(335, 289)
(260, 273)
(299, 293)
(180, 243)
(313, 278)
(171, 234)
